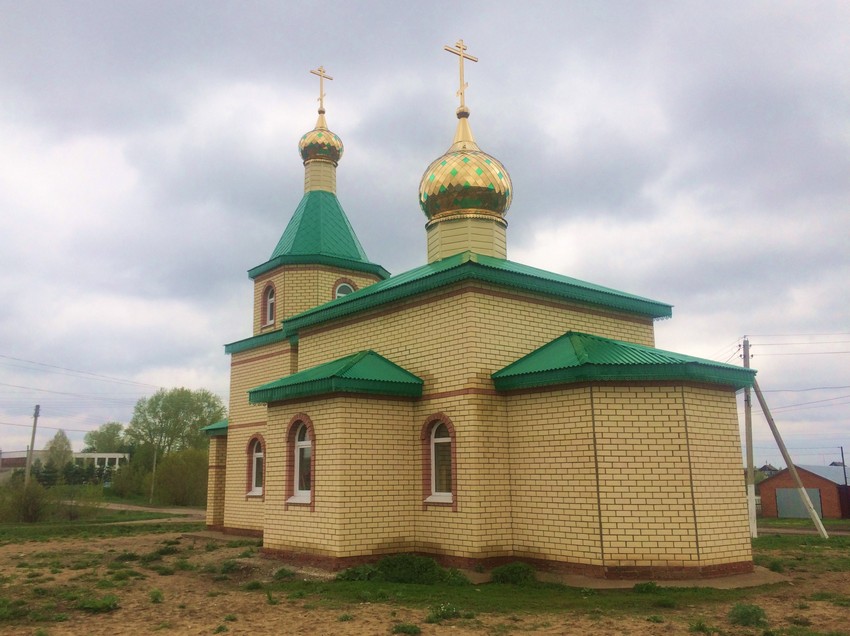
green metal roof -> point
(471, 266)
(319, 232)
(255, 341)
(216, 429)
(363, 372)
(579, 357)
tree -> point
(59, 450)
(108, 438)
(171, 420)
(182, 478)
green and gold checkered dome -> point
(465, 179)
(320, 143)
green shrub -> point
(650, 587)
(155, 595)
(410, 568)
(747, 615)
(281, 574)
(181, 478)
(442, 612)
(27, 504)
(365, 572)
(107, 603)
(406, 628)
(699, 626)
(516, 573)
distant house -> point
(826, 486)
(10, 460)
(768, 470)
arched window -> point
(441, 460)
(256, 466)
(301, 443)
(268, 305)
(439, 474)
(343, 289)
(303, 457)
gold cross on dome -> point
(322, 77)
(459, 50)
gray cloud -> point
(690, 153)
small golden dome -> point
(320, 143)
(465, 179)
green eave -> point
(318, 259)
(578, 357)
(471, 266)
(365, 372)
(319, 233)
(255, 341)
(216, 429)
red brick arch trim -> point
(291, 430)
(249, 465)
(342, 281)
(264, 321)
(425, 443)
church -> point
(474, 409)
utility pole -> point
(791, 468)
(748, 430)
(32, 445)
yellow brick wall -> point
(248, 369)
(216, 481)
(646, 505)
(480, 235)
(426, 335)
(719, 493)
(553, 486)
(481, 525)
(299, 288)
(364, 478)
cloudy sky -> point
(697, 153)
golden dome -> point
(320, 143)
(465, 180)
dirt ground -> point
(193, 602)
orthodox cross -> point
(458, 50)
(322, 77)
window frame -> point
(294, 494)
(343, 282)
(256, 451)
(430, 495)
(269, 305)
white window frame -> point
(298, 495)
(269, 305)
(339, 292)
(257, 456)
(442, 496)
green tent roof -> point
(364, 372)
(579, 357)
(319, 232)
(216, 429)
(472, 266)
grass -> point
(101, 579)
(23, 532)
(802, 553)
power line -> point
(79, 395)
(788, 406)
(788, 344)
(52, 428)
(814, 388)
(797, 335)
(80, 372)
